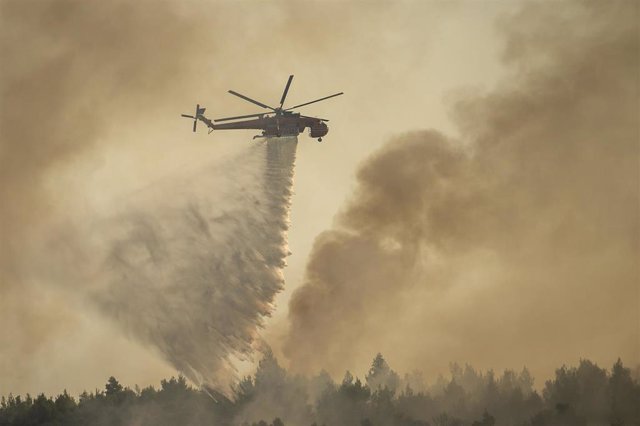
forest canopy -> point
(577, 395)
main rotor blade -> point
(188, 116)
(241, 116)
(315, 118)
(251, 100)
(195, 123)
(286, 90)
(313, 102)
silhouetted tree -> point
(381, 375)
(113, 387)
(625, 396)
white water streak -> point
(193, 266)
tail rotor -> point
(198, 114)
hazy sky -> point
(92, 93)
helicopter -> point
(278, 122)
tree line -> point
(577, 396)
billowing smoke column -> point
(518, 242)
(193, 264)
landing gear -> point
(319, 139)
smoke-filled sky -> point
(483, 166)
(516, 241)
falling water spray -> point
(194, 263)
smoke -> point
(157, 267)
(67, 64)
(70, 69)
(80, 78)
(517, 241)
(87, 88)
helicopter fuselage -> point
(290, 124)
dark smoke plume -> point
(519, 241)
